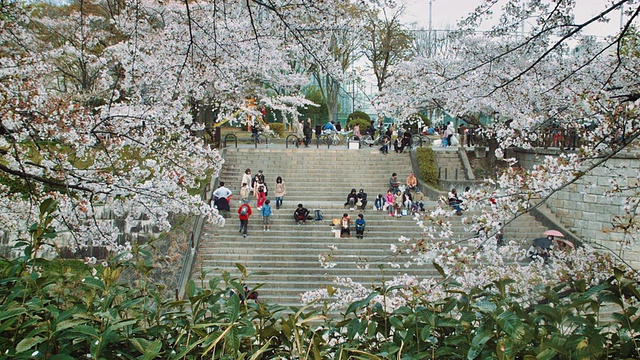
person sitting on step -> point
(352, 199)
(418, 200)
(379, 202)
(345, 223)
(362, 199)
(389, 203)
(300, 215)
(455, 201)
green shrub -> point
(362, 122)
(359, 115)
(277, 128)
(69, 310)
(427, 164)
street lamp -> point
(430, 28)
(353, 91)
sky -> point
(445, 14)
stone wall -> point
(138, 230)
(584, 209)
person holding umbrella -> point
(562, 243)
(541, 246)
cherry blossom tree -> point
(96, 102)
(525, 84)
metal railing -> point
(294, 140)
(258, 139)
(194, 241)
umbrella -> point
(566, 242)
(543, 243)
(553, 233)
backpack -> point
(244, 210)
(318, 216)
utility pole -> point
(430, 28)
(353, 93)
(524, 18)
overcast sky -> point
(445, 14)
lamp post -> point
(353, 92)
(430, 28)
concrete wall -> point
(134, 231)
(584, 209)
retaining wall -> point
(584, 209)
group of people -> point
(356, 199)
(399, 144)
(304, 131)
(450, 136)
(345, 226)
(399, 201)
(251, 185)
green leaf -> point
(425, 333)
(403, 310)
(242, 269)
(482, 336)
(447, 322)
(47, 206)
(352, 328)
(440, 270)
(546, 354)
(233, 306)
(87, 330)
(550, 313)
(121, 324)
(11, 312)
(486, 307)
(27, 343)
(62, 357)
(94, 283)
(63, 325)
(265, 347)
(372, 327)
(511, 325)
(139, 344)
(396, 323)
(152, 350)
(619, 274)
(360, 303)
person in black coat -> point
(362, 198)
(352, 199)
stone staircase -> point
(287, 257)
(450, 168)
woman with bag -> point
(281, 191)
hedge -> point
(427, 164)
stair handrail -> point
(194, 238)
(462, 153)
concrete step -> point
(289, 254)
